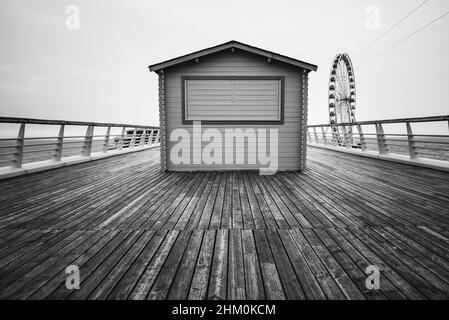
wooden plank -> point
(346, 284)
(253, 276)
(292, 287)
(387, 290)
(219, 272)
(305, 275)
(103, 290)
(145, 283)
(271, 279)
(126, 284)
(396, 262)
(181, 284)
(167, 273)
(325, 280)
(200, 281)
(236, 273)
(57, 283)
(402, 284)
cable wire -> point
(404, 39)
(391, 28)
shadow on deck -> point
(137, 233)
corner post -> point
(18, 159)
(162, 121)
(304, 116)
(60, 143)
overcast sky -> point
(99, 72)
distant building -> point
(233, 86)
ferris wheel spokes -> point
(342, 99)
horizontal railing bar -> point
(70, 148)
(431, 148)
(40, 144)
(8, 154)
(428, 153)
(68, 137)
(433, 142)
(389, 121)
(397, 145)
(38, 151)
(39, 138)
(71, 123)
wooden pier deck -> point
(137, 233)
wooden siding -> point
(138, 233)
(238, 64)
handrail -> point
(388, 121)
(76, 148)
(431, 150)
(68, 123)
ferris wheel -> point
(342, 97)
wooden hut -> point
(205, 95)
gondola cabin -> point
(233, 107)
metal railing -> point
(15, 151)
(401, 140)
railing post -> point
(132, 143)
(334, 136)
(18, 159)
(143, 137)
(315, 135)
(323, 134)
(345, 137)
(361, 137)
(351, 136)
(157, 139)
(88, 140)
(411, 142)
(106, 140)
(381, 143)
(122, 139)
(60, 143)
(309, 137)
(150, 137)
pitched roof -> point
(238, 45)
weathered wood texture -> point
(138, 233)
(240, 64)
